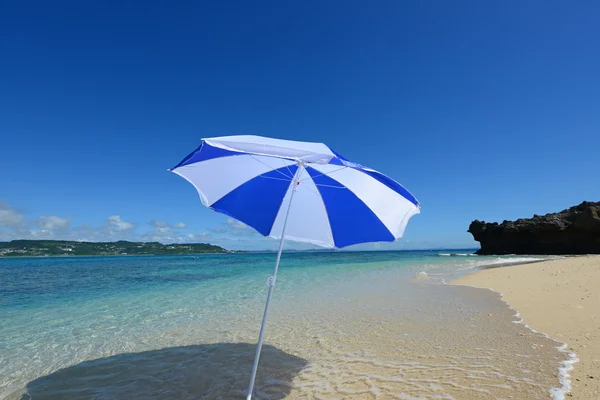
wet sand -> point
(560, 298)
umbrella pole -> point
(271, 283)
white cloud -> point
(159, 224)
(199, 236)
(9, 216)
(229, 233)
(233, 227)
(14, 225)
(167, 235)
(166, 232)
(52, 222)
(42, 234)
(116, 224)
(218, 229)
(163, 224)
(235, 224)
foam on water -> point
(457, 254)
(421, 275)
(342, 325)
(517, 260)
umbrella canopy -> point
(337, 203)
(300, 191)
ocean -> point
(342, 325)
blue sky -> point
(483, 110)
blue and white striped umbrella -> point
(336, 203)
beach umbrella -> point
(299, 191)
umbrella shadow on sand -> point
(211, 371)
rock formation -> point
(572, 231)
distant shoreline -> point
(123, 255)
(71, 248)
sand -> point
(562, 299)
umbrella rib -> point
(265, 164)
(324, 173)
(276, 179)
(287, 166)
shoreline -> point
(390, 336)
(561, 299)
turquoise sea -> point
(342, 325)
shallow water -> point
(342, 325)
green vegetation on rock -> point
(28, 248)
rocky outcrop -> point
(572, 231)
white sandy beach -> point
(562, 299)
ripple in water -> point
(368, 331)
